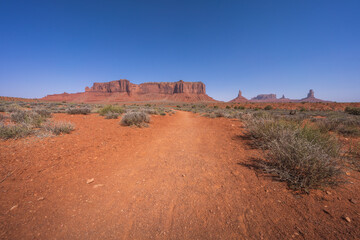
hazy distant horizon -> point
(259, 47)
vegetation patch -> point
(353, 110)
(80, 110)
(111, 109)
(139, 119)
(14, 131)
(302, 156)
(58, 127)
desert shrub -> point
(111, 109)
(228, 107)
(352, 110)
(241, 107)
(111, 115)
(27, 117)
(219, 113)
(14, 131)
(268, 107)
(3, 117)
(151, 111)
(304, 160)
(2, 109)
(302, 156)
(162, 114)
(79, 110)
(354, 156)
(344, 125)
(58, 127)
(302, 109)
(216, 107)
(135, 118)
(43, 112)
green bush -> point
(111, 109)
(139, 119)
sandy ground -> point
(184, 177)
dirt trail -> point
(184, 177)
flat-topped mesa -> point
(239, 98)
(123, 90)
(124, 85)
(265, 97)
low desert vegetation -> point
(111, 110)
(139, 119)
(301, 155)
(22, 122)
(28, 117)
(79, 110)
(353, 110)
(14, 131)
(58, 128)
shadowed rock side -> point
(239, 98)
(123, 90)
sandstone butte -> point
(272, 98)
(124, 91)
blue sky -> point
(258, 46)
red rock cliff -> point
(124, 90)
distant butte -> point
(239, 98)
(272, 98)
(124, 91)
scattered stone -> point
(40, 198)
(183, 175)
(98, 185)
(328, 192)
(353, 201)
(90, 181)
(13, 207)
(348, 173)
(346, 218)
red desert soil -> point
(182, 178)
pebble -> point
(346, 219)
(98, 185)
(13, 207)
(90, 180)
(328, 192)
(40, 198)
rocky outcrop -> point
(123, 90)
(272, 98)
(239, 98)
(311, 98)
(265, 98)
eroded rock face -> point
(124, 90)
(124, 85)
(311, 94)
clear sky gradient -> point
(258, 46)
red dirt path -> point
(181, 178)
